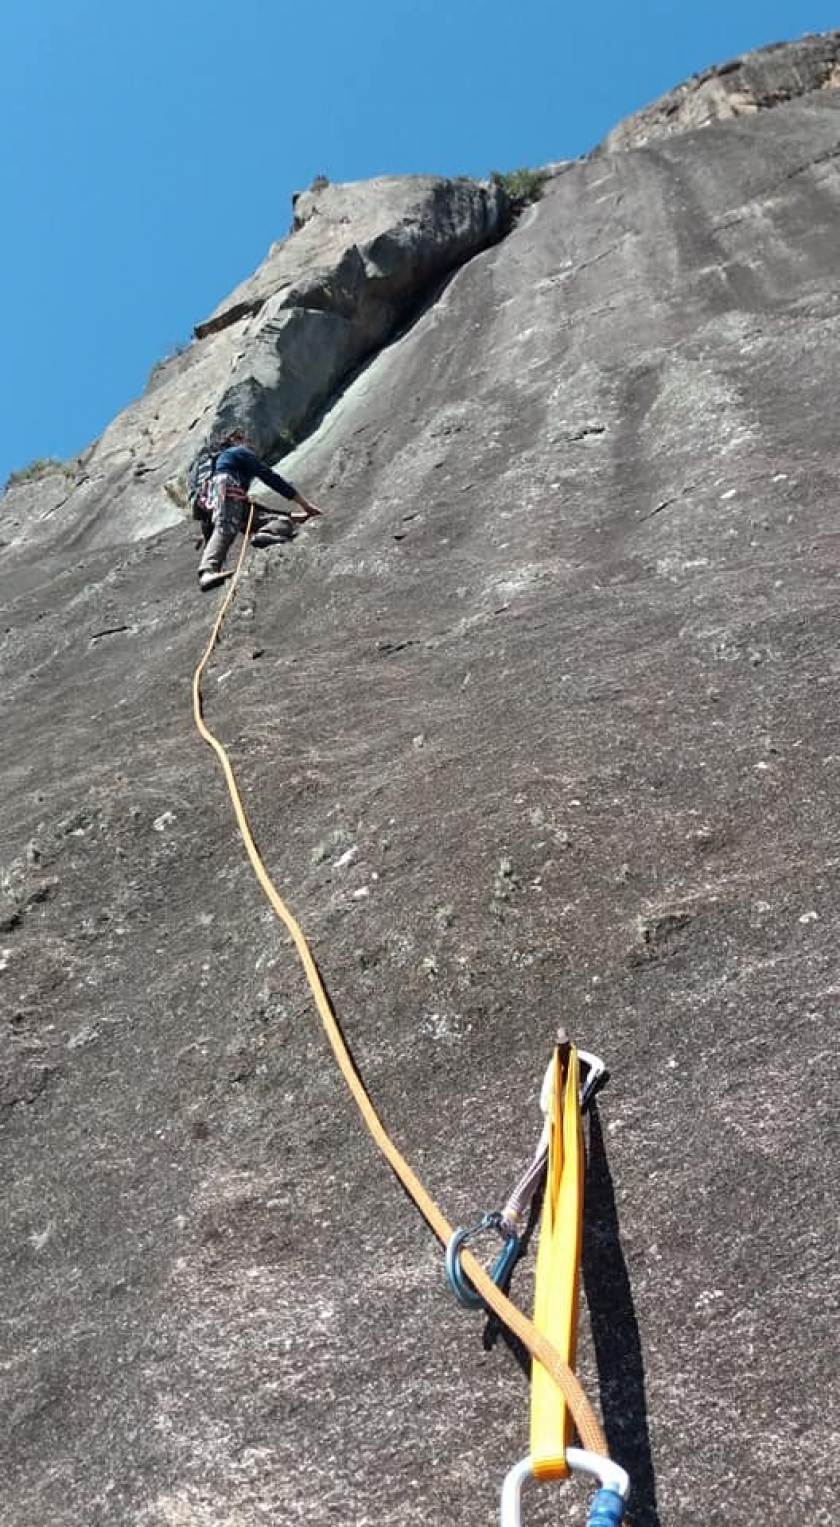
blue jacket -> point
(243, 465)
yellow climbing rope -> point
(537, 1344)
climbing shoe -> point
(211, 580)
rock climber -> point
(226, 506)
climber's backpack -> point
(198, 476)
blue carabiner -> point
(606, 1509)
(502, 1267)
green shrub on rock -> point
(522, 186)
(46, 466)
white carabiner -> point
(609, 1475)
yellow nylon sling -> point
(558, 1265)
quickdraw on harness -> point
(200, 472)
(558, 1164)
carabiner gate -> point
(595, 1077)
(502, 1267)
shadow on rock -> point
(615, 1334)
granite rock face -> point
(360, 259)
(740, 87)
(537, 724)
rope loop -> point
(508, 1313)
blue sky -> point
(149, 151)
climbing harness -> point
(556, 1367)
